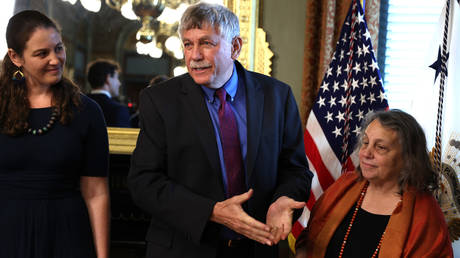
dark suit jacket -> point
(175, 171)
(115, 114)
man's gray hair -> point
(200, 15)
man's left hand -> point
(279, 216)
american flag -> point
(351, 87)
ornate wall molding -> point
(122, 140)
(256, 54)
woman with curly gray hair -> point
(385, 208)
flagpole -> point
(438, 137)
(346, 130)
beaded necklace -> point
(44, 129)
(358, 205)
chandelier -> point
(159, 19)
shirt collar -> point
(231, 86)
(101, 92)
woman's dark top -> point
(364, 236)
(42, 212)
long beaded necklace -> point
(358, 205)
(44, 129)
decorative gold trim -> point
(122, 140)
(255, 54)
(263, 53)
(243, 9)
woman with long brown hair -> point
(54, 151)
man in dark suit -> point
(220, 161)
(105, 84)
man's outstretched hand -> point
(279, 217)
(230, 213)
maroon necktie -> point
(230, 146)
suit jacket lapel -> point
(194, 99)
(254, 112)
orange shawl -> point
(416, 227)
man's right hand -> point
(230, 213)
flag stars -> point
(350, 53)
(381, 96)
(353, 99)
(353, 35)
(329, 72)
(364, 83)
(325, 86)
(371, 97)
(354, 83)
(347, 68)
(353, 24)
(342, 54)
(339, 70)
(344, 85)
(362, 99)
(374, 65)
(332, 102)
(365, 67)
(337, 132)
(360, 114)
(357, 130)
(335, 87)
(340, 116)
(343, 101)
(366, 49)
(359, 52)
(357, 68)
(350, 115)
(328, 117)
(360, 18)
(373, 81)
(367, 35)
(321, 102)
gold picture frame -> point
(255, 56)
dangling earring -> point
(18, 76)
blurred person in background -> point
(105, 87)
(134, 119)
